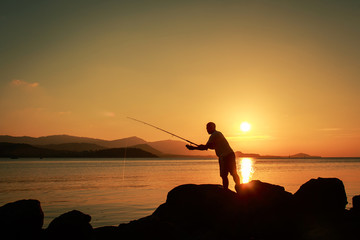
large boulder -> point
(260, 196)
(150, 227)
(319, 207)
(190, 204)
(22, 219)
(257, 210)
(355, 210)
(322, 196)
(265, 211)
(73, 225)
(356, 203)
(108, 233)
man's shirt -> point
(218, 142)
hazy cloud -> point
(329, 129)
(17, 82)
(251, 137)
(64, 113)
(109, 114)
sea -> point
(115, 191)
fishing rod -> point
(163, 130)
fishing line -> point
(123, 173)
(163, 130)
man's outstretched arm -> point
(200, 147)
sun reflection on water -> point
(246, 169)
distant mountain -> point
(303, 155)
(149, 149)
(173, 147)
(166, 147)
(64, 139)
(255, 155)
(125, 142)
(16, 150)
(11, 139)
(75, 147)
(47, 140)
(120, 153)
(249, 155)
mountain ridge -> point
(23, 150)
(166, 147)
(64, 138)
(162, 148)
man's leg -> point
(225, 182)
(224, 173)
(232, 168)
(236, 178)
(233, 171)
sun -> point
(245, 126)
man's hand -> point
(190, 147)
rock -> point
(258, 211)
(210, 210)
(108, 233)
(319, 209)
(201, 210)
(22, 219)
(263, 196)
(190, 212)
(265, 211)
(322, 196)
(355, 210)
(150, 227)
(71, 225)
(198, 204)
(356, 203)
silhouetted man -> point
(223, 150)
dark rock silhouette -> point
(73, 225)
(222, 213)
(259, 211)
(356, 203)
(322, 195)
(195, 209)
(22, 219)
(211, 212)
(320, 209)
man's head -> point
(210, 127)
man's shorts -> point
(227, 165)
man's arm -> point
(209, 145)
(200, 147)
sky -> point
(289, 68)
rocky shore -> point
(259, 211)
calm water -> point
(115, 191)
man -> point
(223, 150)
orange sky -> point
(289, 68)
